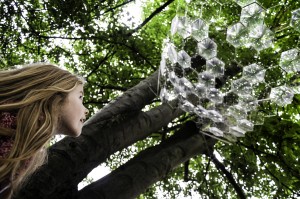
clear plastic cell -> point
(282, 95)
(295, 21)
(254, 73)
(215, 66)
(199, 30)
(181, 25)
(244, 3)
(242, 87)
(237, 35)
(184, 59)
(252, 15)
(290, 60)
(207, 48)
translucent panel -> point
(173, 78)
(187, 106)
(257, 32)
(183, 87)
(163, 67)
(249, 102)
(215, 66)
(252, 15)
(295, 21)
(237, 111)
(201, 111)
(181, 25)
(215, 131)
(230, 137)
(289, 60)
(265, 41)
(215, 95)
(215, 116)
(256, 117)
(237, 131)
(245, 125)
(241, 86)
(207, 79)
(221, 126)
(199, 30)
(237, 35)
(282, 95)
(230, 120)
(254, 73)
(243, 3)
(200, 90)
(207, 48)
(167, 95)
(184, 59)
(296, 89)
(172, 53)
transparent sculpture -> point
(237, 111)
(200, 90)
(237, 131)
(256, 32)
(215, 116)
(207, 48)
(183, 87)
(215, 131)
(172, 53)
(215, 66)
(199, 30)
(243, 3)
(230, 120)
(163, 68)
(242, 86)
(245, 125)
(282, 95)
(181, 25)
(249, 102)
(289, 60)
(263, 42)
(201, 111)
(256, 117)
(295, 21)
(184, 59)
(215, 95)
(254, 73)
(252, 15)
(187, 106)
(237, 35)
(207, 79)
(167, 95)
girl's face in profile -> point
(73, 113)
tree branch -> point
(157, 11)
(229, 176)
(150, 165)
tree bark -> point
(151, 165)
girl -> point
(36, 102)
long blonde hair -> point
(35, 93)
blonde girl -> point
(36, 102)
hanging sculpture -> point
(230, 110)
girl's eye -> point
(80, 97)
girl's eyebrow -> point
(82, 92)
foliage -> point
(100, 41)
